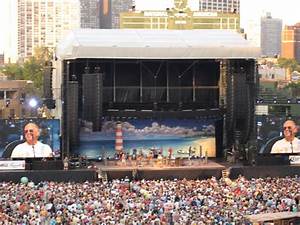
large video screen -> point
(272, 137)
(185, 137)
(12, 131)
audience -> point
(175, 202)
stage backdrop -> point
(12, 130)
(145, 135)
(269, 129)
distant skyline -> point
(251, 11)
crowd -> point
(209, 201)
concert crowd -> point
(209, 201)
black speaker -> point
(72, 111)
(92, 98)
(48, 82)
(50, 103)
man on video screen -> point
(290, 143)
(32, 148)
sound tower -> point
(47, 88)
(241, 94)
(48, 82)
(92, 86)
(72, 111)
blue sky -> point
(251, 10)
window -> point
(1, 94)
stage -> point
(194, 169)
(189, 169)
(150, 170)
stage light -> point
(298, 100)
(274, 100)
(33, 103)
(259, 100)
(289, 101)
(7, 102)
(22, 101)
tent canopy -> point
(155, 44)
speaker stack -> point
(92, 86)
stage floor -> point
(189, 169)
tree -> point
(32, 69)
(290, 64)
(43, 55)
(294, 88)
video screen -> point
(12, 134)
(278, 135)
(186, 137)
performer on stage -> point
(32, 148)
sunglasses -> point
(287, 128)
(30, 131)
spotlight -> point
(7, 102)
(289, 101)
(274, 100)
(33, 103)
(258, 100)
(298, 100)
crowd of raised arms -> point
(209, 201)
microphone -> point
(291, 142)
(292, 146)
(33, 145)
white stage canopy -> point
(155, 44)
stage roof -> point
(155, 44)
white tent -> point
(155, 44)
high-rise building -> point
(226, 6)
(270, 35)
(11, 37)
(290, 46)
(90, 14)
(44, 23)
(179, 17)
(1, 59)
(110, 12)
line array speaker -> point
(92, 94)
(72, 111)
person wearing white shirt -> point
(32, 148)
(290, 143)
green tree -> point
(294, 89)
(32, 69)
(290, 64)
(13, 71)
(43, 55)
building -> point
(179, 17)
(90, 14)
(110, 12)
(290, 46)
(13, 98)
(271, 73)
(10, 37)
(270, 35)
(44, 23)
(1, 59)
(226, 6)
